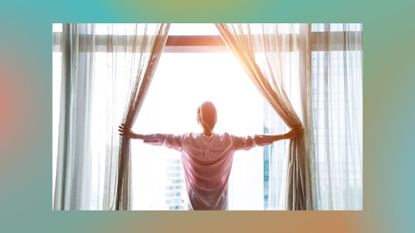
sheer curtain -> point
(337, 116)
(102, 65)
(319, 67)
(288, 47)
(261, 48)
(144, 76)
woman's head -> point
(206, 115)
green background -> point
(26, 115)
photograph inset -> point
(207, 116)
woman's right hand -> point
(126, 132)
(294, 133)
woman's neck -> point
(207, 132)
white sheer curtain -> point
(149, 57)
(337, 116)
(100, 64)
(334, 100)
(263, 49)
(288, 54)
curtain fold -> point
(259, 47)
(105, 70)
(70, 188)
(138, 93)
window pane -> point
(337, 128)
(57, 27)
(335, 27)
(181, 83)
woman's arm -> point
(268, 139)
(168, 140)
(127, 132)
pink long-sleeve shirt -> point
(207, 163)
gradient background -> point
(26, 115)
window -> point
(182, 81)
(337, 128)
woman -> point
(207, 157)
